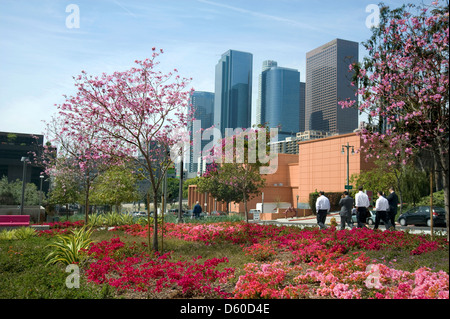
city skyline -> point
(41, 51)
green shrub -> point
(67, 247)
(333, 197)
(438, 199)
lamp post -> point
(41, 177)
(348, 160)
(296, 208)
(24, 160)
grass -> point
(25, 275)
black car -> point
(371, 216)
(420, 215)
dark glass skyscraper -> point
(203, 105)
(301, 127)
(279, 101)
(328, 81)
(233, 91)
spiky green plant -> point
(126, 219)
(24, 232)
(67, 247)
(111, 219)
(6, 234)
(17, 233)
(96, 220)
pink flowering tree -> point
(132, 115)
(404, 86)
(74, 160)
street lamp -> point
(348, 153)
(24, 159)
(40, 198)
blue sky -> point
(39, 54)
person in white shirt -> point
(362, 203)
(322, 208)
(382, 208)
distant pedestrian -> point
(197, 210)
(346, 204)
(382, 207)
(393, 206)
(362, 204)
(322, 208)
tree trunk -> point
(245, 207)
(86, 217)
(148, 217)
(155, 222)
(443, 161)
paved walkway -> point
(312, 221)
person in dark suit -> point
(393, 205)
(197, 210)
(346, 204)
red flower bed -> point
(288, 263)
(144, 273)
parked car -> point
(218, 213)
(370, 219)
(420, 215)
(174, 211)
(190, 212)
(139, 214)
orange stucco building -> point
(320, 165)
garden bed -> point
(239, 260)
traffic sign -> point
(349, 187)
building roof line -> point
(328, 138)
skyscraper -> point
(328, 82)
(301, 117)
(233, 90)
(267, 64)
(279, 101)
(203, 106)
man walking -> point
(393, 205)
(346, 204)
(362, 203)
(322, 208)
(197, 210)
(382, 207)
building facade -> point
(328, 81)
(233, 90)
(280, 99)
(319, 165)
(15, 146)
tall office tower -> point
(203, 107)
(328, 82)
(267, 64)
(301, 118)
(233, 91)
(280, 99)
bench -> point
(14, 220)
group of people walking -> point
(385, 207)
